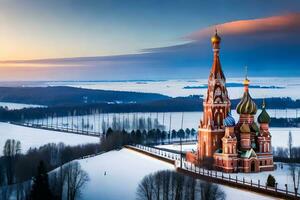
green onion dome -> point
(264, 117)
(229, 121)
(245, 128)
(246, 105)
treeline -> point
(287, 156)
(290, 154)
(179, 104)
(16, 167)
(153, 136)
(285, 122)
(63, 95)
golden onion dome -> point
(245, 128)
(246, 105)
(216, 38)
(246, 81)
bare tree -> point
(76, 178)
(5, 192)
(290, 144)
(12, 149)
(211, 192)
(165, 185)
(295, 173)
(145, 188)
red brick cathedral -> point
(235, 147)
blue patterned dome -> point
(229, 121)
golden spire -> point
(263, 104)
(246, 81)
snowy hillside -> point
(124, 170)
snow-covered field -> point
(174, 88)
(31, 137)
(15, 106)
(125, 169)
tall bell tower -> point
(216, 106)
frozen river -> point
(264, 86)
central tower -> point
(215, 107)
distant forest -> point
(179, 104)
(65, 101)
(66, 96)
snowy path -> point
(31, 137)
(125, 169)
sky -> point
(134, 39)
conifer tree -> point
(40, 187)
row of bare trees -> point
(170, 185)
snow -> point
(174, 88)
(185, 147)
(125, 169)
(235, 194)
(31, 137)
(15, 106)
(282, 176)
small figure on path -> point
(105, 173)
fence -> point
(58, 128)
(216, 176)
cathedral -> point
(244, 146)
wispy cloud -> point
(270, 46)
(289, 23)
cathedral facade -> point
(244, 146)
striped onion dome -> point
(264, 117)
(229, 121)
(245, 128)
(246, 105)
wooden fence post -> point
(258, 183)
(236, 179)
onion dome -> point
(229, 121)
(264, 117)
(245, 128)
(254, 127)
(246, 105)
(216, 38)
